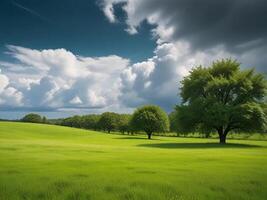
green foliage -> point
(124, 123)
(223, 98)
(150, 119)
(90, 121)
(85, 121)
(108, 121)
(75, 121)
(174, 123)
(33, 118)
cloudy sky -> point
(67, 57)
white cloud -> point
(61, 80)
(76, 100)
(4, 81)
(157, 79)
(9, 96)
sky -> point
(65, 57)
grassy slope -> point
(51, 162)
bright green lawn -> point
(51, 162)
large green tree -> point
(223, 98)
(150, 119)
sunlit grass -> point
(52, 162)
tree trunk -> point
(222, 139)
(149, 135)
(222, 134)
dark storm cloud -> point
(207, 23)
(237, 26)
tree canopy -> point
(90, 121)
(150, 119)
(108, 121)
(174, 123)
(223, 98)
(124, 123)
(33, 118)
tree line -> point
(149, 119)
(220, 98)
(107, 121)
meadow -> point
(39, 161)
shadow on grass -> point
(134, 138)
(197, 145)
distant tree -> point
(223, 98)
(124, 123)
(67, 121)
(108, 121)
(55, 121)
(75, 121)
(44, 120)
(90, 121)
(174, 126)
(33, 118)
(150, 119)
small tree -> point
(33, 118)
(223, 98)
(108, 121)
(150, 119)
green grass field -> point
(52, 162)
